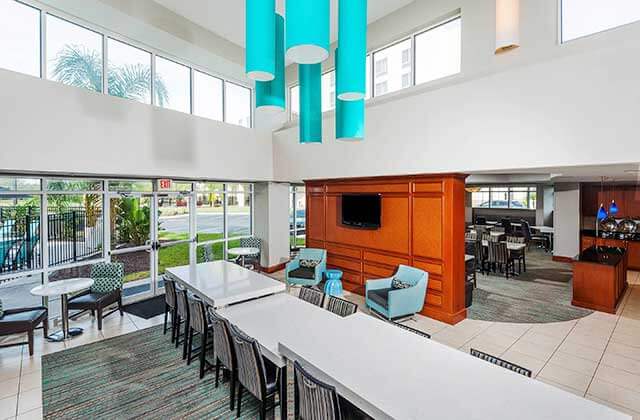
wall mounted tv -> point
(361, 210)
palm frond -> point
(130, 82)
(79, 66)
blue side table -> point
(333, 286)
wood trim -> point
(559, 258)
(274, 268)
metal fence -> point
(72, 236)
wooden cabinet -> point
(633, 252)
(632, 247)
(587, 242)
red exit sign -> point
(164, 184)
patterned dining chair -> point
(182, 310)
(499, 257)
(311, 295)
(225, 354)
(199, 325)
(252, 260)
(169, 306)
(314, 399)
(518, 255)
(341, 307)
(500, 362)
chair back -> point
(314, 399)
(312, 254)
(341, 307)
(198, 315)
(207, 253)
(413, 330)
(515, 239)
(410, 275)
(480, 220)
(500, 362)
(251, 370)
(170, 292)
(311, 295)
(526, 230)
(506, 224)
(479, 251)
(251, 242)
(471, 236)
(108, 277)
(223, 349)
(182, 302)
(498, 252)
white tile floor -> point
(597, 357)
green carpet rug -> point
(137, 375)
(542, 294)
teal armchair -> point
(397, 303)
(303, 276)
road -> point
(208, 223)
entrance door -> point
(175, 231)
(132, 232)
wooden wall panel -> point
(427, 227)
(422, 225)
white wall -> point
(566, 220)
(49, 127)
(271, 215)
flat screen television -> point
(361, 210)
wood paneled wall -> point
(627, 198)
(422, 225)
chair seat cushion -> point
(303, 273)
(22, 320)
(88, 300)
(380, 296)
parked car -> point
(503, 204)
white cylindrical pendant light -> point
(507, 25)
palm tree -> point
(80, 66)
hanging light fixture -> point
(349, 114)
(352, 34)
(260, 54)
(310, 103)
(307, 31)
(507, 25)
(602, 212)
(270, 96)
(613, 207)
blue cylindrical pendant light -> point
(349, 114)
(307, 31)
(270, 96)
(260, 43)
(310, 103)
(352, 37)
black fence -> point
(73, 235)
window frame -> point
(561, 40)
(531, 189)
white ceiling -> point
(226, 17)
(617, 173)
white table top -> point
(511, 246)
(62, 287)
(243, 251)
(391, 373)
(277, 317)
(543, 229)
(222, 283)
(468, 257)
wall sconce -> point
(507, 25)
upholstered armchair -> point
(391, 303)
(297, 275)
(106, 290)
(22, 320)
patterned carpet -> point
(138, 375)
(542, 294)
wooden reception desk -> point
(600, 278)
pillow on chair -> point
(309, 263)
(105, 284)
(399, 284)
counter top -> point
(607, 235)
(602, 255)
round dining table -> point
(243, 252)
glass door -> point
(175, 231)
(132, 229)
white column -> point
(566, 220)
(271, 215)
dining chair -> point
(311, 295)
(199, 326)
(255, 374)
(341, 307)
(314, 399)
(224, 352)
(541, 240)
(413, 330)
(23, 320)
(182, 306)
(169, 306)
(519, 254)
(499, 257)
(481, 255)
(500, 362)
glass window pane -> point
(480, 198)
(129, 72)
(519, 198)
(209, 186)
(74, 185)
(207, 96)
(19, 233)
(75, 227)
(500, 197)
(173, 218)
(210, 252)
(19, 37)
(74, 54)
(295, 101)
(19, 184)
(210, 214)
(368, 93)
(16, 293)
(390, 66)
(237, 104)
(438, 52)
(585, 17)
(328, 91)
(130, 221)
(173, 85)
(239, 209)
(130, 186)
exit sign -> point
(165, 184)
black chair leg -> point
(120, 304)
(99, 319)
(188, 342)
(263, 410)
(203, 354)
(217, 371)
(30, 339)
(239, 398)
(177, 331)
(232, 391)
(166, 318)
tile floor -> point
(597, 357)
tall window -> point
(19, 37)
(297, 217)
(74, 54)
(389, 66)
(207, 96)
(368, 80)
(237, 104)
(129, 72)
(328, 91)
(439, 51)
(586, 17)
(500, 197)
(176, 82)
(294, 98)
